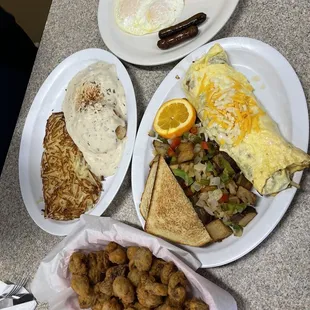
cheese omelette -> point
(233, 117)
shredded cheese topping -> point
(230, 113)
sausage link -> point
(192, 21)
(178, 38)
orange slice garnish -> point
(174, 118)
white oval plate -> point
(279, 90)
(48, 100)
(143, 50)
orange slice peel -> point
(174, 118)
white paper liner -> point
(51, 283)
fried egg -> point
(140, 17)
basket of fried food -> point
(104, 264)
(129, 278)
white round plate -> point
(143, 50)
(279, 90)
(48, 100)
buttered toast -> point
(171, 214)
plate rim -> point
(141, 62)
(290, 193)
(26, 137)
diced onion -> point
(208, 210)
(201, 203)
(185, 167)
(197, 148)
(197, 160)
(204, 196)
(196, 186)
(191, 171)
(222, 186)
(215, 181)
(212, 203)
(197, 175)
(200, 167)
(215, 195)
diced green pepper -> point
(233, 208)
(163, 140)
(211, 150)
(225, 176)
(194, 138)
(173, 160)
(237, 229)
(185, 135)
(183, 175)
(226, 165)
(204, 158)
(210, 167)
(203, 182)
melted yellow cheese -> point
(232, 116)
(244, 110)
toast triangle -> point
(171, 214)
(148, 191)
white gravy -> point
(94, 106)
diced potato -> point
(218, 230)
(186, 146)
(160, 148)
(244, 182)
(234, 199)
(185, 167)
(245, 217)
(186, 156)
(203, 215)
(208, 188)
(246, 196)
(185, 152)
(232, 187)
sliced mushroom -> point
(121, 132)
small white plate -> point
(48, 100)
(279, 90)
(143, 50)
